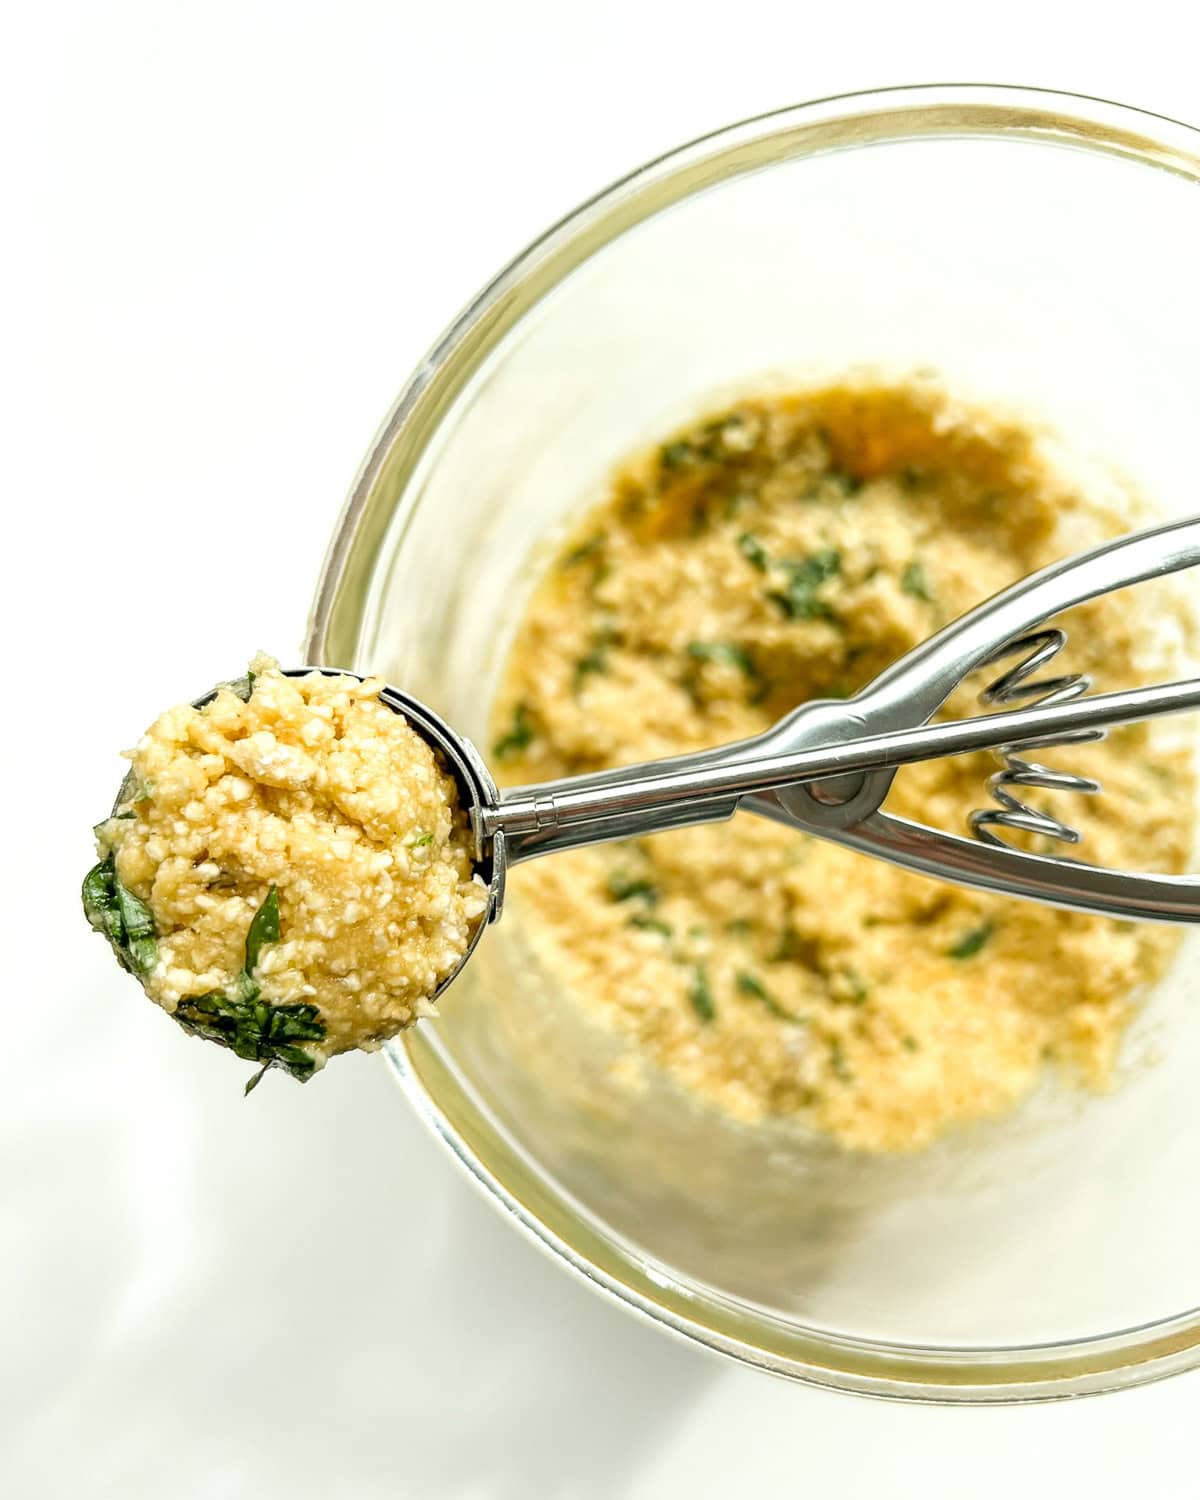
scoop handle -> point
(911, 690)
(693, 789)
(1134, 895)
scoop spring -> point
(1036, 650)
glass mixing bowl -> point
(1034, 248)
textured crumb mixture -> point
(290, 874)
(790, 548)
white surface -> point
(233, 229)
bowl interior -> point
(1055, 279)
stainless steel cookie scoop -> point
(827, 766)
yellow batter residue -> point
(790, 548)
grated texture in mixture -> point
(291, 874)
(790, 548)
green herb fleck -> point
(125, 920)
(678, 454)
(519, 737)
(750, 984)
(729, 653)
(701, 995)
(707, 444)
(422, 841)
(263, 929)
(800, 599)
(910, 1044)
(785, 949)
(100, 899)
(915, 581)
(651, 924)
(753, 551)
(139, 928)
(717, 435)
(971, 941)
(837, 1060)
(857, 991)
(740, 927)
(622, 887)
(255, 1029)
(590, 549)
(594, 661)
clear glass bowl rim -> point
(1109, 1361)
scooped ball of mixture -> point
(290, 873)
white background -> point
(232, 229)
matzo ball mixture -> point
(790, 548)
(291, 874)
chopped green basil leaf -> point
(139, 929)
(650, 924)
(753, 551)
(971, 941)
(255, 1029)
(263, 929)
(622, 887)
(750, 984)
(800, 599)
(591, 548)
(701, 996)
(594, 661)
(519, 737)
(915, 582)
(729, 653)
(858, 991)
(123, 918)
(676, 455)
